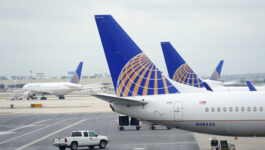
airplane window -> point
(260, 108)
(254, 108)
(218, 109)
(242, 108)
(207, 109)
(236, 109)
(249, 109)
(212, 109)
(230, 109)
(224, 109)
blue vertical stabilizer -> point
(178, 69)
(217, 72)
(132, 72)
(251, 86)
(77, 74)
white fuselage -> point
(223, 113)
(218, 86)
(58, 89)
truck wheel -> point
(91, 147)
(74, 146)
(121, 128)
(62, 148)
(102, 144)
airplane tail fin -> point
(77, 74)
(132, 72)
(178, 69)
(251, 86)
(217, 72)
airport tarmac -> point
(71, 104)
(37, 131)
(24, 127)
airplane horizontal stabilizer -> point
(119, 100)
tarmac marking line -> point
(48, 135)
(28, 125)
(167, 143)
(31, 132)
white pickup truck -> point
(81, 139)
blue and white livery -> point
(224, 113)
(77, 74)
(251, 86)
(132, 72)
(217, 72)
(56, 88)
(178, 69)
(181, 72)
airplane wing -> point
(74, 87)
(94, 86)
(231, 83)
(39, 92)
(119, 100)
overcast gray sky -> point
(52, 36)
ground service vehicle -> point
(214, 144)
(128, 121)
(224, 145)
(84, 138)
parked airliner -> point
(144, 92)
(57, 88)
(180, 71)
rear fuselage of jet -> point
(223, 113)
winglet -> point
(208, 87)
(77, 74)
(251, 86)
(217, 72)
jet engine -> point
(28, 94)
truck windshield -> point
(74, 134)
